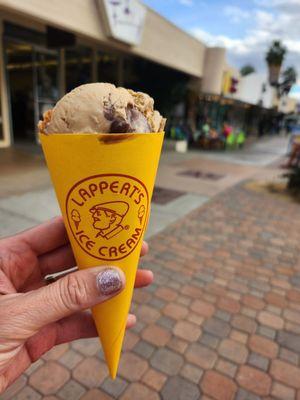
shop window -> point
(107, 65)
(78, 66)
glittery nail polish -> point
(109, 281)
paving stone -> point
(226, 367)
(159, 304)
(230, 305)
(258, 361)
(209, 340)
(40, 381)
(130, 340)
(233, 351)
(50, 398)
(178, 388)
(266, 331)
(263, 346)
(289, 356)
(34, 366)
(154, 379)
(13, 389)
(56, 352)
(70, 359)
(289, 340)
(254, 380)
(71, 390)
(293, 295)
(187, 331)
(239, 336)
(276, 299)
(282, 392)
(90, 372)
(290, 327)
(147, 314)
(195, 318)
(96, 394)
(156, 335)
(191, 373)
(286, 373)
(167, 361)
(244, 324)
(184, 300)
(223, 315)
(243, 394)
(144, 349)
(166, 322)
(166, 294)
(114, 387)
(271, 320)
(292, 316)
(177, 344)
(87, 347)
(138, 327)
(218, 386)
(27, 394)
(132, 367)
(203, 308)
(216, 327)
(138, 391)
(248, 312)
(175, 311)
(253, 302)
(200, 355)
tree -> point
(289, 77)
(247, 70)
(275, 57)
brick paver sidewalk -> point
(222, 320)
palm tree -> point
(275, 57)
(289, 77)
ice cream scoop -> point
(103, 108)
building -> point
(49, 47)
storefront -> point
(45, 53)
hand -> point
(34, 316)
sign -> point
(107, 215)
(125, 20)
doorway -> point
(32, 78)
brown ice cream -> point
(103, 108)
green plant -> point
(289, 77)
(247, 70)
(276, 53)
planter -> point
(180, 146)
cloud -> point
(275, 19)
(188, 3)
(236, 14)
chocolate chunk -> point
(120, 126)
(108, 114)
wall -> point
(162, 41)
(214, 65)
(250, 90)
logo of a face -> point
(107, 215)
(107, 218)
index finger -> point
(46, 236)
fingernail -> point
(109, 281)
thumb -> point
(75, 292)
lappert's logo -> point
(107, 214)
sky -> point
(245, 27)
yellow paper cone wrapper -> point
(104, 185)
